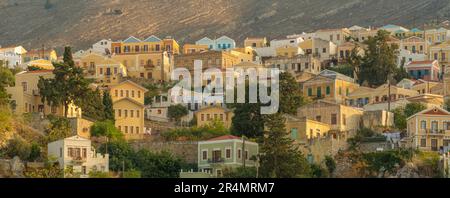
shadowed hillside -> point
(82, 22)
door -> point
(216, 157)
(434, 144)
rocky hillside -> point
(82, 22)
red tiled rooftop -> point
(421, 62)
(225, 137)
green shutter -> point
(328, 90)
(294, 133)
(309, 91)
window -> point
(84, 153)
(137, 130)
(120, 113)
(318, 118)
(309, 91)
(132, 93)
(24, 86)
(334, 119)
(131, 129)
(139, 94)
(203, 117)
(434, 126)
(126, 129)
(328, 90)
(121, 93)
(324, 50)
(423, 124)
(132, 113)
(423, 142)
(126, 113)
(138, 113)
(116, 93)
(246, 155)
(204, 155)
(294, 133)
(319, 91)
(447, 125)
(239, 153)
(228, 153)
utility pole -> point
(244, 155)
(123, 168)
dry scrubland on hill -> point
(83, 22)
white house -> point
(78, 153)
(293, 41)
(102, 47)
(406, 56)
(222, 43)
(12, 56)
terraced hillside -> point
(82, 22)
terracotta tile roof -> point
(225, 137)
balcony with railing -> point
(435, 132)
(216, 160)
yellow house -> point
(42, 64)
(336, 36)
(192, 48)
(366, 95)
(37, 54)
(208, 114)
(128, 104)
(154, 66)
(435, 36)
(297, 65)
(427, 87)
(104, 70)
(323, 49)
(25, 95)
(339, 117)
(429, 130)
(255, 42)
(441, 53)
(303, 129)
(152, 44)
(288, 51)
(245, 54)
(330, 86)
(81, 127)
(414, 44)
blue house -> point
(222, 43)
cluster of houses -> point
(339, 107)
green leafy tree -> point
(35, 152)
(120, 155)
(239, 172)
(413, 108)
(157, 165)
(106, 129)
(176, 112)
(68, 85)
(290, 94)
(281, 158)
(6, 79)
(403, 113)
(379, 63)
(59, 128)
(93, 105)
(108, 106)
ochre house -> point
(429, 130)
(104, 70)
(128, 104)
(365, 95)
(255, 42)
(152, 44)
(207, 115)
(341, 118)
(330, 86)
(26, 97)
